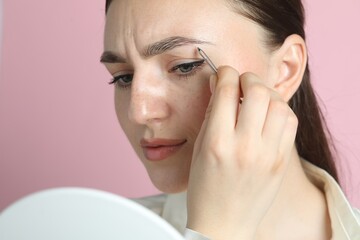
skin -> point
(242, 155)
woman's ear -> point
(288, 65)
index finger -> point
(225, 103)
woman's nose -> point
(149, 100)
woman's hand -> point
(240, 156)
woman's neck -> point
(299, 211)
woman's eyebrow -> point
(111, 57)
(169, 44)
(153, 49)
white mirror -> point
(78, 213)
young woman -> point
(240, 154)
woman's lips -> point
(160, 149)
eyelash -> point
(116, 80)
(195, 66)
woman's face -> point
(162, 91)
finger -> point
(275, 123)
(200, 136)
(254, 106)
(288, 138)
(225, 100)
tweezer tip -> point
(199, 49)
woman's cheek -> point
(122, 103)
(197, 107)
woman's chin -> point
(169, 184)
(171, 175)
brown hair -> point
(280, 19)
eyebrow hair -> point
(111, 57)
(153, 49)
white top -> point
(345, 220)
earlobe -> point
(290, 63)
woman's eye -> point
(187, 68)
(122, 81)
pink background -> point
(57, 123)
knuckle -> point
(293, 120)
(258, 90)
(228, 71)
(216, 148)
(227, 91)
(277, 168)
(248, 75)
(280, 107)
(272, 162)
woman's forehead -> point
(149, 14)
(153, 20)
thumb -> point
(212, 82)
(200, 137)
